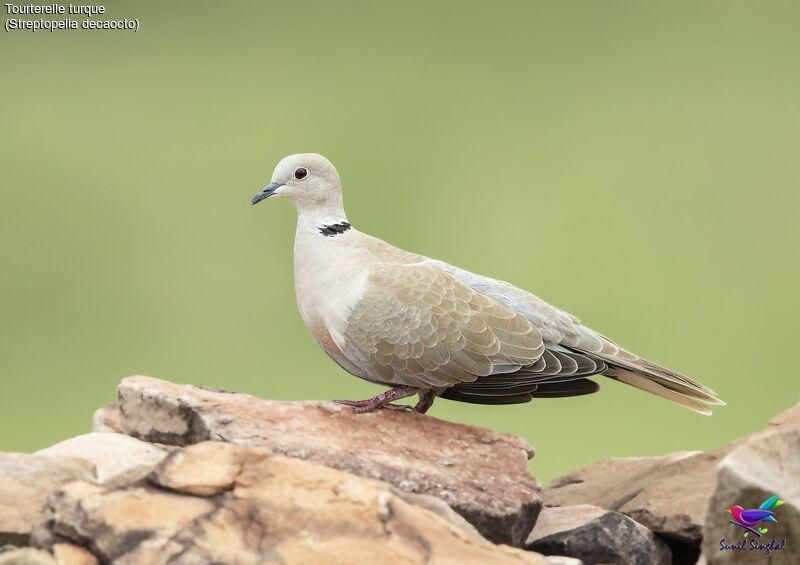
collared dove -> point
(421, 326)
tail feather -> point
(694, 399)
(684, 384)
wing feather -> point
(440, 332)
(430, 325)
(562, 332)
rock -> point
(106, 419)
(763, 465)
(441, 509)
(667, 495)
(481, 474)
(68, 554)
(561, 560)
(63, 554)
(117, 459)
(789, 418)
(26, 556)
(25, 483)
(192, 475)
(271, 509)
(594, 535)
(670, 495)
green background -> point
(633, 163)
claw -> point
(384, 400)
(397, 407)
(361, 406)
(351, 402)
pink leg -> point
(382, 400)
(426, 399)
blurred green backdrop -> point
(634, 163)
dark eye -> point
(301, 173)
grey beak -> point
(266, 192)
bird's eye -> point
(301, 173)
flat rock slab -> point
(222, 503)
(117, 458)
(25, 483)
(761, 466)
(594, 535)
(481, 474)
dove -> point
(420, 326)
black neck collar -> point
(332, 230)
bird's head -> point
(735, 511)
(308, 180)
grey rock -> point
(763, 465)
(594, 535)
(668, 494)
(481, 474)
(672, 495)
(25, 483)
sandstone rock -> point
(562, 560)
(189, 472)
(481, 474)
(25, 483)
(106, 419)
(668, 494)
(271, 509)
(789, 418)
(68, 554)
(117, 459)
(441, 509)
(26, 556)
(763, 465)
(594, 535)
(193, 475)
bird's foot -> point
(351, 402)
(397, 407)
(382, 400)
(363, 403)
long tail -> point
(663, 382)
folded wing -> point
(420, 326)
(563, 329)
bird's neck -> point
(322, 247)
(322, 221)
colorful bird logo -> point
(750, 519)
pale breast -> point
(328, 281)
(331, 278)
